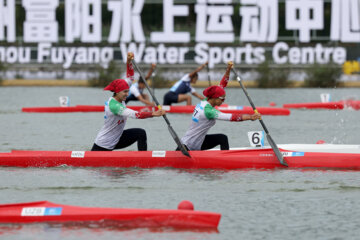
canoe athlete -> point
(205, 116)
(112, 135)
(178, 92)
(136, 90)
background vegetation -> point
(105, 75)
(277, 77)
(323, 76)
(2, 69)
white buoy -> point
(64, 101)
(325, 97)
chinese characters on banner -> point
(40, 24)
(219, 27)
(214, 25)
(83, 21)
(345, 20)
(259, 21)
(7, 20)
(304, 16)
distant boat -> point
(44, 211)
(326, 105)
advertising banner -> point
(167, 32)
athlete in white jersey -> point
(137, 89)
(112, 135)
(205, 116)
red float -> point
(316, 105)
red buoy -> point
(320, 142)
(272, 104)
(186, 205)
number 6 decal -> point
(256, 138)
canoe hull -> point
(348, 104)
(44, 211)
(316, 105)
(256, 158)
(169, 109)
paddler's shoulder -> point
(202, 104)
(210, 112)
(116, 107)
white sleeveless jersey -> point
(203, 118)
(115, 116)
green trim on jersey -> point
(210, 112)
(116, 107)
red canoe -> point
(44, 211)
(169, 109)
(316, 105)
(296, 155)
(353, 104)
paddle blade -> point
(276, 150)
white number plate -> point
(78, 154)
(158, 153)
(41, 211)
(293, 154)
(256, 138)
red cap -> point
(213, 92)
(117, 85)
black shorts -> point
(170, 97)
(128, 137)
(131, 98)
(213, 140)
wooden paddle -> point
(268, 137)
(171, 130)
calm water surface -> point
(276, 204)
